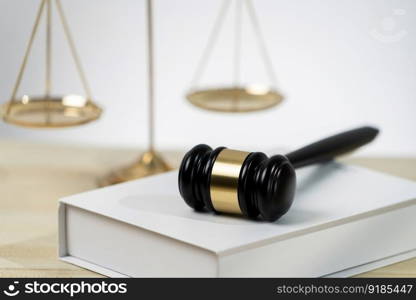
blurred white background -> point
(339, 63)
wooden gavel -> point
(251, 183)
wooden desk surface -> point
(34, 176)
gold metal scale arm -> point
(150, 162)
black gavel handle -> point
(332, 146)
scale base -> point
(150, 163)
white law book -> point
(344, 220)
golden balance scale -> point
(49, 111)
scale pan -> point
(242, 99)
(50, 112)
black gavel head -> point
(230, 181)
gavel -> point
(251, 183)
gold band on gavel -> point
(224, 180)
